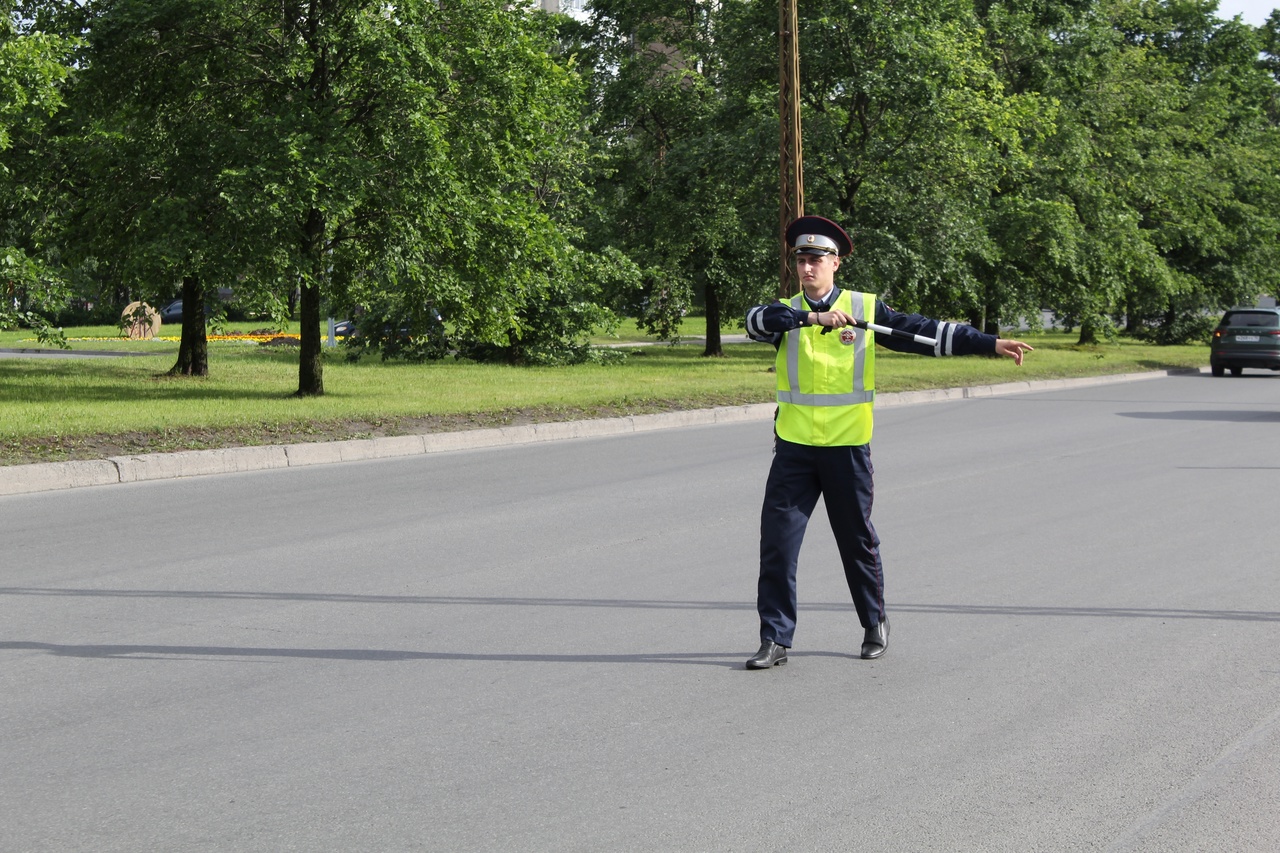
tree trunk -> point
(990, 318)
(1132, 322)
(1088, 333)
(515, 349)
(310, 366)
(193, 351)
(713, 347)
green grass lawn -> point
(87, 407)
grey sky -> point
(1253, 11)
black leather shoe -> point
(875, 641)
(770, 654)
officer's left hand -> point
(1013, 349)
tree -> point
(397, 158)
(153, 135)
(907, 134)
(1147, 196)
(33, 67)
(1102, 158)
(1213, 213)
(687, 177)
(365, 154)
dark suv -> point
(1246, 337)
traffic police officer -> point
(826, 387)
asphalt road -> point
(540, 647)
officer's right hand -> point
(834, 319)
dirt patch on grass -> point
(69, 448)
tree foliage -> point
(526, 177)
(33, 67)
(366, 154)
(1148, 196)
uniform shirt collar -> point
(826, 302)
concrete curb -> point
(48, 476)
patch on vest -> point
(848, 336)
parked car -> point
(432, 326)
(172, 313)
(1246, 337)
(352, 329)
(414, 338)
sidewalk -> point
(47, 476)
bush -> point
(417, 337)
(1180, 330)
(82, 312)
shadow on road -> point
(730, 660)
(647, 604)
(1206, 415)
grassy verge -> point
(60, 409)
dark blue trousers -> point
(842, 476)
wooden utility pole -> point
(790, 158)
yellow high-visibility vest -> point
(827, 383)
